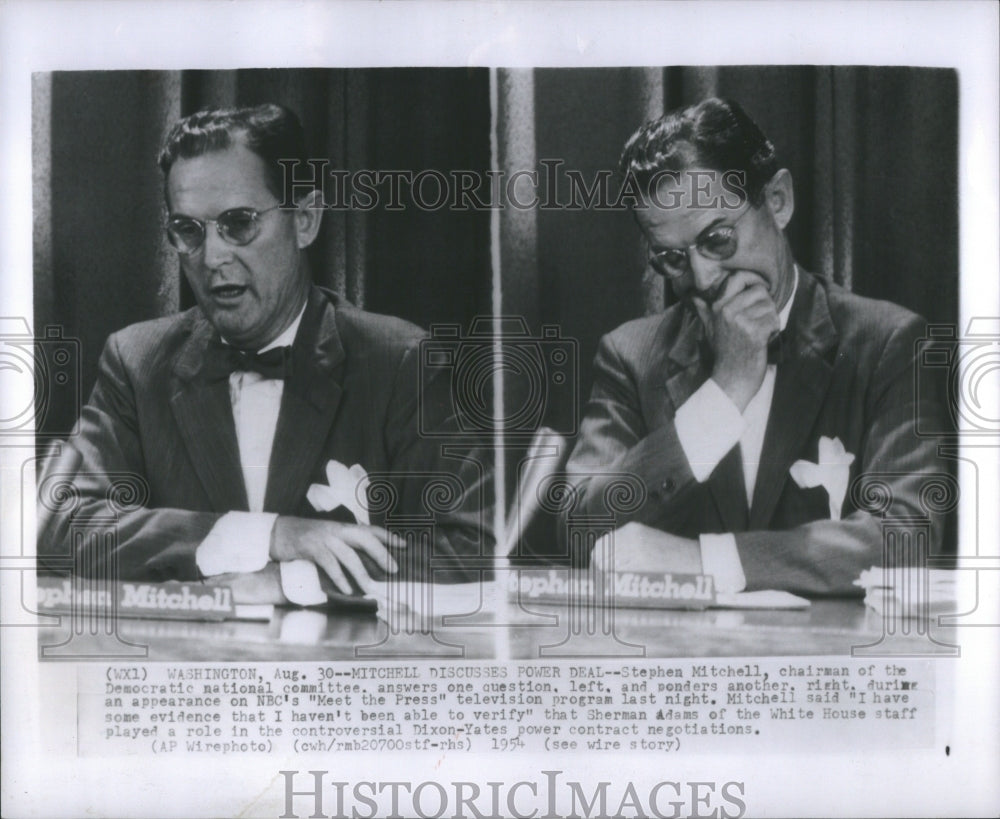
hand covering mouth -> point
(713, 293)
(709, 296)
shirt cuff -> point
(300, 583)
(708, 425)
(720, 558)
(239, 542)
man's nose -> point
(706, 274)
(217, 250)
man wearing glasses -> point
(255, 418)
(749, 406)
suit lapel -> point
(308, 406)
(685, 369)
(800, 387)
(204, 417)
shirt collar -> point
(288, 336)
(786, 311)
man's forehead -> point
(227, 175)
(698, 189)
(681, 204)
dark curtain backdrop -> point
(873, 152)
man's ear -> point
(779, 196)
(308, 217)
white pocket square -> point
(832, 472)
(345, 487)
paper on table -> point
(427, 599)
(253, 611)
(766, 599)
(910, 592)
(877, 577)
(302, 627)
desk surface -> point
(827, 627)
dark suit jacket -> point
(848, 372)
(154, 418)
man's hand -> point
(641, 548)
(333, 547)
(740, 323)
(252, 588)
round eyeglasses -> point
(237, 226)
(718, 243)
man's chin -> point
(231, 325)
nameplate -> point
(165, 601)
(634, 590)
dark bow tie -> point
(221, 360)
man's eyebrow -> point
(707, 229)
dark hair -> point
(715, 134)
(271, 131)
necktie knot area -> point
(221, 360)
(275, 363)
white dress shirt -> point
(241, 541)
(708, 425)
